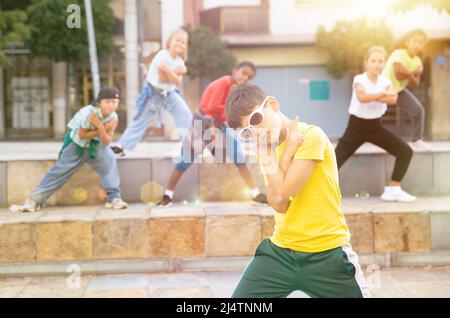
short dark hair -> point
(248, 64)
(241, 102)
(401, 43)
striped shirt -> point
(81, 120)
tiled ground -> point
(393, 282)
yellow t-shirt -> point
(314, 221)
(410, 63)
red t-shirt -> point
(215, 96)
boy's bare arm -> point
(401, 73)
(286, 185)
(84, 133)
(277, 202)
(111, 127)
(294, 138)
(102, 133)
(416, 76)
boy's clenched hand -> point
(294, 134)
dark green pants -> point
(277, 272)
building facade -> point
(279, 36)
(37, 96)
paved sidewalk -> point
(392, 282)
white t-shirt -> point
(370, 110)
(153, 76)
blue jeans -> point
(230, 148)
(150, 103)
(104, 163)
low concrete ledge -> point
(203, 264)
(66, 234)
(145, 173)
(85, 268)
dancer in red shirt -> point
(211, 116)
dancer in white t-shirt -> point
(372, 92)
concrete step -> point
(177, 236)
(146, 171)
(371, 263)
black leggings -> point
(361, 130)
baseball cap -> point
(107, 92)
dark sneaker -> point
(118, 151)
(261, 198)
(165, 202)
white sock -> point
(254, 192)
(169, 194)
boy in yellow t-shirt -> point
(309, 249)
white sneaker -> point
(29, 207)
(397, 194)
(116, 204)
(420, 145)
(207, 156)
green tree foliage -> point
(208, 56)
(13, 29)
(348, 41)
(14, 4)
(51, 37)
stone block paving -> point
(420, 282)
